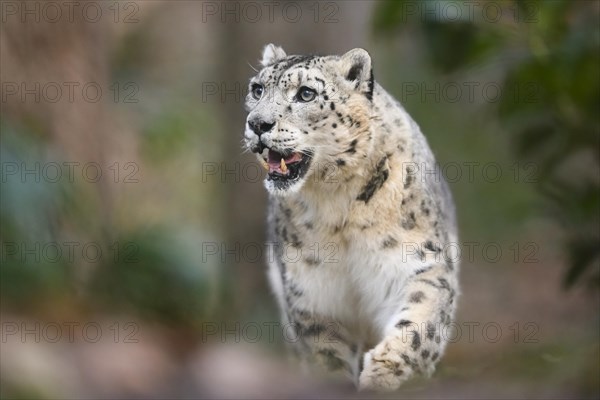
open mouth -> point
(284, 168)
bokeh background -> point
(132, 222)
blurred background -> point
(132, 222)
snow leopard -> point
(363, 260)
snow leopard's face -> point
(306, 115)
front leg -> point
(413, 339)
(324, 346)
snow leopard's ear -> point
(272, 54)
(356, 67)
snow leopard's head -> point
(308, 116)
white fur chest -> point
(353, 283)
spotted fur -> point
(362, 239)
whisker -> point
(250, 65)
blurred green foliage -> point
(173, 130)
(549, 59)
(154, 273)
(27, 213)
(153, 270)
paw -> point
(383, 370)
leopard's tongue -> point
(278, 163)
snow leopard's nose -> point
(259, 126)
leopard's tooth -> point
(283, 166)
(264, 164)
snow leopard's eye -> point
(306, 94)
(257, 91)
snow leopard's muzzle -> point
(284, 166)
